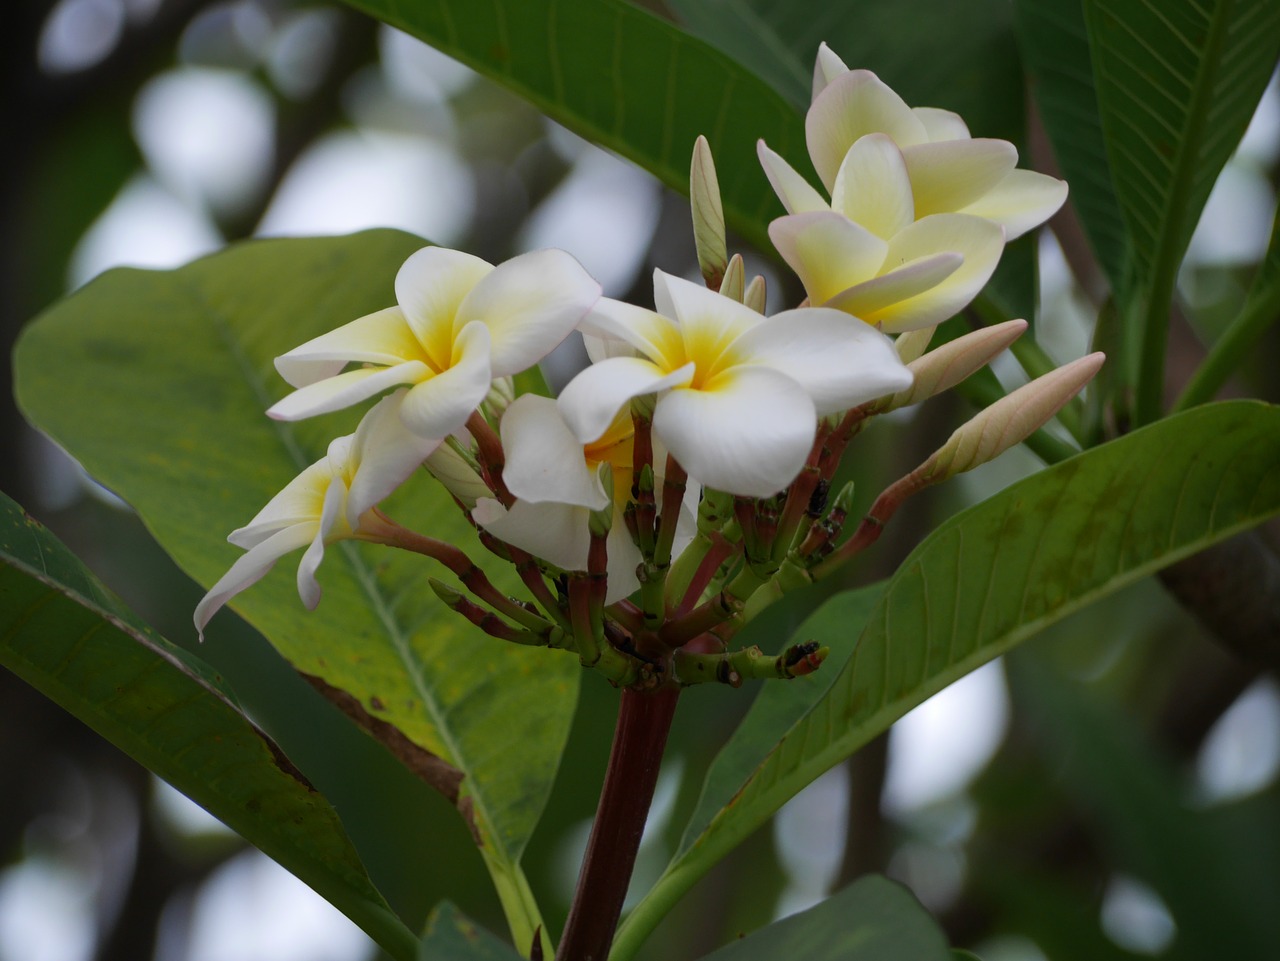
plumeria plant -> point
(470, 542)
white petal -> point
(1023, 200)
(430, 287)
(384, 453)
(828, 251)
(382, 338)
(942, 124)
(250, 568)
(826, 67)
(748, 433)
(345, 389)
(591, 400)
(557, 533)
(530, 303)
(979, 241)
(899, 284)
(708, 320)
(331, 527)
(851, 106)
(601, 348)
(793, 190)
(544, 458)
(440, 405)
(652, 334)
(300, 502)
(951, 174)
(840, 363)
(872, 187)
(624, 558)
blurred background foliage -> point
(1108, 792)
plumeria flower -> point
(557, 481)
(737, 394)
(327, 502)
(459, 323)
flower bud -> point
(941, 369)
(735, 277)
(913, 343)
(1010, 420)
(754, 295)
(708, 214)
(458, 473)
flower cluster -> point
(680, 481)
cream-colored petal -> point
(383, 338)
(1021, 201)
(826, 67)
(440, 405)
(747, 433)
(345, 389)
(384, 453)
(430, 287)
(828, 251)
(300, 502)
(332, 527)
(873, 188)
(792, 189)
(557, 533)
(250, 568)
(708, 320)
(951, 174)
(942, 124)
(652, 334)
(900, 284)
(544, 460)
(529, 303)
(851, 106)
(979, 241)
(590, 402)
(839, 364)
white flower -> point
(557, 482)
(325, 503)
(738, 394)
(459, 323)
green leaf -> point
(1055, 50)
(836, 624)
(1177, 84)
(157, 382)
(992, 576)
(452, 936)
(873, 919)
(62, 632)
(625, 79)
(935, 53)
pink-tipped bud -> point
(941, 369)
(1011, 419)
(708, 214)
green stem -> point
(519, 906)
(1231, 349)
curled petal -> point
(898, 285)
(601, 348)
(942, 124)
(530, 303)
(430, 287)
(383, 338)
(979, 241)
(544, 458)
(440, 405)
(250, 568)
(853, 105)
(826, 67)
(840, 364)
(590, 402)
(707, 319)
(792, 189)
(345, 389)
(747, 433)
(828, 251)
(1022, 200)
(300, 502)
(873, 188)
(951, 174)
(384, 452)
(332, 526)
(557, 533)
(652, 334)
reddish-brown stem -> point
(673, 486)
(701, 619)
(627, 615)
(492, 457)
(641, 492)
(644, 720)
(720, 550)
(839, 439)
(868, 532)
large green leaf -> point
(873, 919)
(935, 53)
(1055, 49)
(1177, 84)
(994, 575)
(624, 79)
(66, 635)
(452, 936)
(157, 382)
